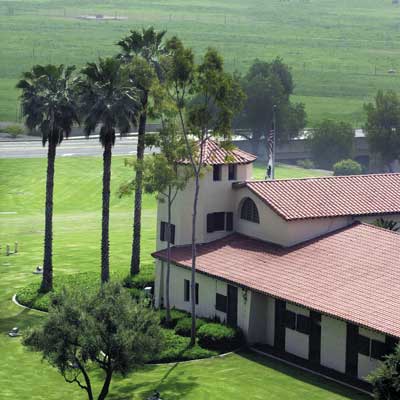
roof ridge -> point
(333, 177)
(379, 228)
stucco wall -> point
(273, 228)
(214, 196)
(333, 343)
(208, 287)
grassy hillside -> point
(340, 50)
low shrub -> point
(184, 326)
(13, 130)
(347, 167)
(306, 164)
(219, 337)
(139, 281)
(29, 295)
(177, 349)
(176, 315)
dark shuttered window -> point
(164, 232)
(217, 169)
(221, 302)
(290, 320)
(364, 344)
(232, 172)
(372, 348)
(303, 324)
(219, 221)
(186, 295)
(229, 221)
(186, 290)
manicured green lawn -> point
(340, 51)
(76, 249)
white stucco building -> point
(294, 263)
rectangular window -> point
(221, 302)
(232, 168)
(186, 295)
(164, 232)
(217, 169)
(229, 221)
(378, 349)
(215, 222)
(303, 324)
(186, 290)
(290, 320)
(364, 345)
(297, 322)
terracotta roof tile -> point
(330, 196)
(214, 154)
(352, 274)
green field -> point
(340, 51)
(76, 249)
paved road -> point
(68, 148)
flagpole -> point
(274, 142)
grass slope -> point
(340, 50)
(76, 249)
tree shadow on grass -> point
(24, 319)
(304, 376)
(176, 387)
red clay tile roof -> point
(352, 274)
(330, 196)
(214, 154)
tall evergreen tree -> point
(142, 51)
(217, 97)
(109, 101)
(48, 105)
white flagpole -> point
(273, 145)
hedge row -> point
(29, 295)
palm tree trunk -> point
(105, 244)
(167, 303)
(137, 223)
(47, 281)
(194, 253)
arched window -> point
(249, 211)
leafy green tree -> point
(385, 379)
(347, 167)
(165, 185)
(48, 105)
(265, 85)
(330, 142)
(109, 101)
(220, 98)
(142, 50)
(383, 126)
(107, 329)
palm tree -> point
(387, 224)
(107, 100)
(145, 46)
(48, 105)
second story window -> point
(164, 232)
(249, 211)
(232, 172)
(217, 172)
(219, 221)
